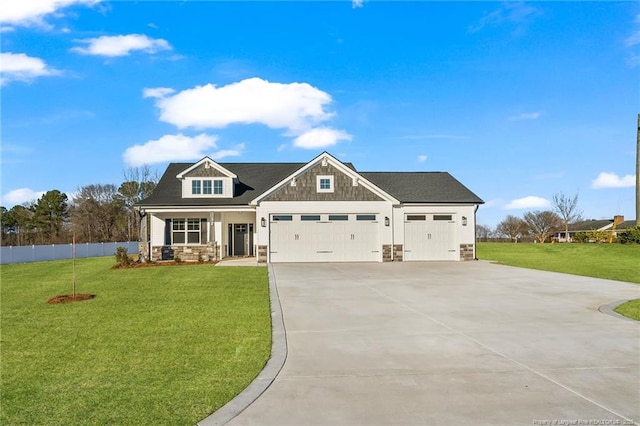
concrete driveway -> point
(450, 344)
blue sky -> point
(517, 100)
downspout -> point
(475, 224)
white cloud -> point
(422, 158)
(516, 14)
(356, 3)
(295, 106)
(527, 203)
(20, 67)
(157, 92)
(611, 180)
(32, 12)
(235, 152)
(121, 45)
(634, 38)
(320, 137)
(20, 196)
(525, 116)
(169, 148)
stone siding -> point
(386, 253)
(466, 252)
(262, 254)
(398, 251)
(186, 253)
(306, 188)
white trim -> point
(327, 158)
(320, 178)
(208, 162)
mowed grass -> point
(610, 261)
(630, 309)
(161, 345)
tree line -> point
(94, 213)
(541, 225)
(538, 225)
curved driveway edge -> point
(609, 309)
(268, 374)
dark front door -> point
(240, 239)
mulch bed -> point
(68, 298)
(161, 263)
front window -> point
(186, 231)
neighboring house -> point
(603, 225)
(320, 211)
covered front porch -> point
(200, 235)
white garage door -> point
(430, 237)
(324, 238)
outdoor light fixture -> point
(263, 222)
(464, 221)
(386, 221)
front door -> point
(241, 239)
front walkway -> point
(240, 261)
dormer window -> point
(207, 187)
(196, 186)
(217, 187)
(207, 179)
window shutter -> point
(167, 232)
(203, 231)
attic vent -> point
(324, 162)
(355, 181)
(293, 181)
(207, 165)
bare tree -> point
(567, 209)
(98, 213)
(483, 232)
(542, 224)
(139, 183)
(512, 227)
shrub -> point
(122, 257)
(580, 237)
(177, 259)
(598, 236)
(630, 236)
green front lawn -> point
(161, 345)
(611, 261)
(631, 309)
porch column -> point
(143, 237)
(212, 235)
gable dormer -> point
(207, 179)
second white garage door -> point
(430, 237)
(324, 238)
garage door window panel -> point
(370, 217)
(310, 217)
(338, 217)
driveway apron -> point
(437, 343)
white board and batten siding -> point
(324, 238)
(433, 232)
(325, 232)
(430, 236)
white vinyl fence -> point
(21, 254)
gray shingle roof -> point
(589, 225)
(423, 187)
(256, 178)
